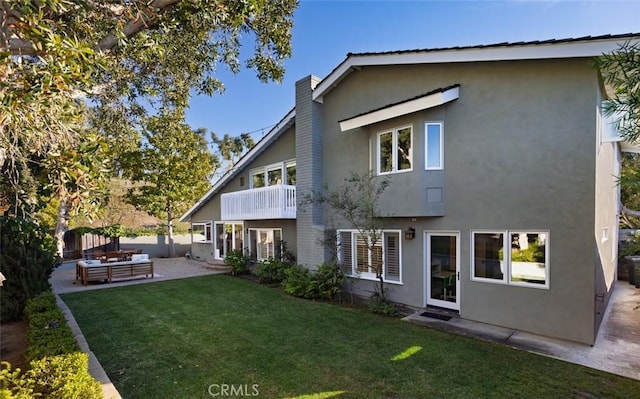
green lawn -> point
(175, 339)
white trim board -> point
(393, 111)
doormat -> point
(436, 316)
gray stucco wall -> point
(519, 155)
(606, 223)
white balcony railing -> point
(273, 202)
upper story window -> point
(395, 150)
(275, 174)
(434, 146)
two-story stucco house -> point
(502, 172)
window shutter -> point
(376, 257)
(362, 254)
(392, 256)
(345, 251)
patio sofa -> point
(94, 270)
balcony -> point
(273, 202)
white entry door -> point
(442, 269)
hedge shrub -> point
(27, 259)
(65, 376)
(49, 334)
(58, 370)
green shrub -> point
(238, 261)
(631, 247)
(58, 370)
(325, 283)
(53, 377)
(64, 376)
(27, 258)
(14, 384)
(330, 281)
(49, 334)
(299, 282)
(381, 306)
(271, 271)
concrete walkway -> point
(63, 281)
(617, 347)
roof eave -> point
(586, 48)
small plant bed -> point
(57, 368)
(180, 338)
(239, 262)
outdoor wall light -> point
(410, 233)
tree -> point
(356, 201)
(77, 176)
(232, 148)
(629, 193)
(174, 167)
(620, 70)
(126, 57)
(124, 60)
(27, 258)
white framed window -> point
(265, 243)
(395, 150)
(290, 174)
(434, 146)
(228, 237)
(274, 174)
(511, 257)
(201, 232)
(257, 178)
(360, 257)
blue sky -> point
(326, 30)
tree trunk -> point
(62, 226)
(383, 295)
(630, 212)
(172, 247)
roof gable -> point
(587, 46)
(282, 126)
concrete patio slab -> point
(617, 347)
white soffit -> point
(404, 108)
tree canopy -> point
(122, 58)
(620, 71)
(174, 168)
(357, 201)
